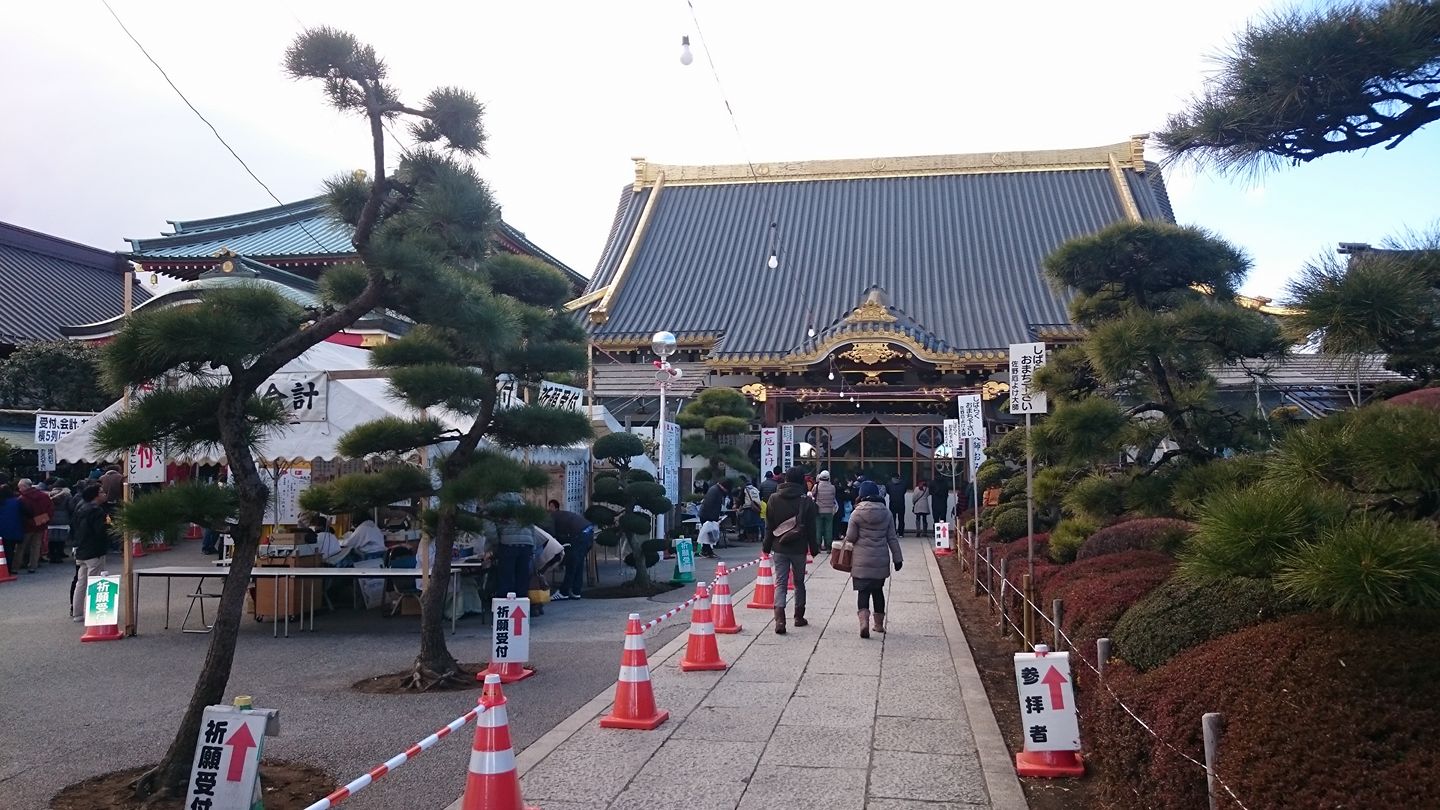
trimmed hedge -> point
(1098, 592)
(1179, 615)
(1317, 714)
(1067, 537)
(1154, 534)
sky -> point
(96, 147)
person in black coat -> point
(711, 510)
(896, 490)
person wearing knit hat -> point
(826, 505)
(790, 532)
(877, 545)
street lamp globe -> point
(663, 344)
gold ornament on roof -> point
(993, 389)
(871, 312)
(871, 353)
(872, 378)
(755, 391)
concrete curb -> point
(996, 762)
(537, 751)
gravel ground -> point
(73, 710)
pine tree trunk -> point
(435, 663)
(642, 571)
(170, 776)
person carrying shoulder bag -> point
(876, 545)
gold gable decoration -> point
(755, 391)
(870, 354)
(871, 312)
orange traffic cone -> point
(701, 652)
(724, 610)
(160, 544)
(5, 575)
(194, 532)
(492, 782)
(137, 549)
(764, 596)
(1049, 764)
(509, 672)
(634, 696)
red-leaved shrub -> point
(1097, 592)
(1317, 714)
(1019, 549)
(1156, 534)
(1424, 397)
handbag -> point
(842, 556)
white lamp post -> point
(663, 345)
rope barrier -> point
(655, 622)
(1075, 648)
(394, 762)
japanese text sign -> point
(225, 774)
(942, 535)
(972, 419)
(1047, 701)
(102, 601)
(50, 428)
(769, 450)
(671, 461)
(684, 556)
(45, 459)
(952, 439)
(301, 394)
(511, 636)
(787, 445)
(145, 465)
(977, 453)
(1025, 359)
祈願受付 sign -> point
(225, 774)
(510, 639)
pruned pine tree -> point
(1157, 302)
(1302, 83)
(624, 503)
(209, 358)
(720, 412)
(479, 323)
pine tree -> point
(720, 412)
(478, 324)
(624, 504)
(209, 358)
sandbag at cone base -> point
(102, 632)
(492, 782)
(1049, 764)
(702, 652)
(764, 596)
(634, 696)
(5, 575)
(720, 602)
(508, 673)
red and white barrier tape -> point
(655, 622)
(396, 761)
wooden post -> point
(1210, 725)
(127, 298)
(989, 586)
(1004, 605)
(975, 547)
(1029, 621)
(1102, 655)
(1057, 611)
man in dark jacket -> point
(770, 483)
(895, 491)
(711, 510)
(940, 498)
(789, 534)
(92, 542)
(574, 532)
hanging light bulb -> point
(857, 404)
(774, 261)
(810, 332)
(685, 56)
(832, 375)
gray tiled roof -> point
(51, 282)
(959, 254)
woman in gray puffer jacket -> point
(872, 530)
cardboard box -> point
(286, 539)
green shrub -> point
(1366, 568)
(1180, 614)
(991, 473)
(1317, 714)
(1067, 537)
(1098, 497)
(1195, 484)
(1165, 535)
(1245, 532)
(1010, 523)
(1013, 489)
(1149, 495)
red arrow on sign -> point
(240, 742)
(518, 618)
(1053, 679)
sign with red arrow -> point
(1047, 701)
(225, 774)
(510, 632)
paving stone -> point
(820, 684)
(728, 725)
(907, 804)
(766, 670)
(922, 735)
(826, 712)
(937, 702)
(784, 786)
(927, 777)
(812, 746)
(593, 738)
(592, 778)
(844, 660)
(738, 694)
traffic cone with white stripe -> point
(5, 575)
(720, 603)
(493, 783)
(764, 596)
(634, 696)
(702, 653)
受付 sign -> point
(301, 394)
(225, 774)
(102, 601)
(50, 428)
(1047, 701)
(510, 640)
(1025, 359)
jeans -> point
(784, 564)
(825, 527)
(512, 569)
(575, 557)
(921, 519)
(84, 569)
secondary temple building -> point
(851, 299)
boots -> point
(879, 622)
(864, 624)
(800, 615)
(779, 621)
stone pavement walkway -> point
(815, 718)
